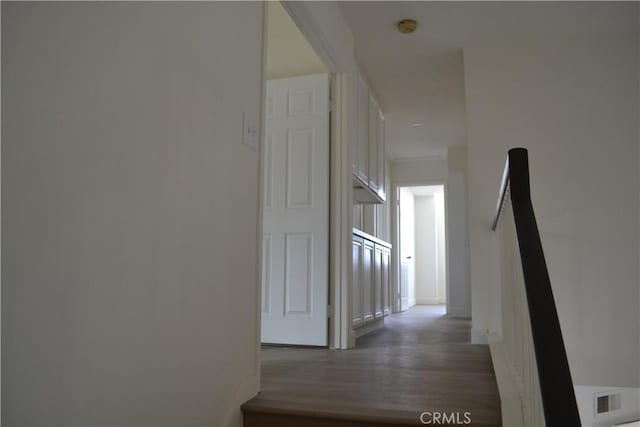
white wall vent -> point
(607, 402)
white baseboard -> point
(479, 336)
(370, 327)
(352, 338)
(459, 312)
(429, 301)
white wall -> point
(426, 257)
(288, 52)
(574, 104)
(419, 172)
(430, 276)
(459, 295)
(129, 214)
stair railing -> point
(531, 333)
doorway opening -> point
(296, 188)
(422, 244)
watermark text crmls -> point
(448, 418)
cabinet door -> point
(377, 282)
(381, 156)
(386, 282)
(367, 280)
(356, 282)
(374, 178)
(363, 131)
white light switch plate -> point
(249, 131)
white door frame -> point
(395, 238)
(340, 191)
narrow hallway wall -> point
(129, 214)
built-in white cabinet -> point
(371, 278)
(361, 158)
(374, 113)
(381, 157)
(369, 148)
(376, 149)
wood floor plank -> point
(421, 361)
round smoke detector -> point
(407, 26)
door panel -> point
(296, 215)
(266, 274)
(404, 285)
(407, 248)
(299, 176)
(297, 279)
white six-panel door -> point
(296, 211)
(407, 245)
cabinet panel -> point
(373, 144)
(377, 282)
(371, 278)
(368, 146)
(356, 280)
(363, 131)
(367, 280)
(386, 282)
(381, 172)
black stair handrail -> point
(556, 387)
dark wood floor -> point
(421, 361)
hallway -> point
(421, 361)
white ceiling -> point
(419, 77)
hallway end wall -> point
(430, 258)
(452, 171)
